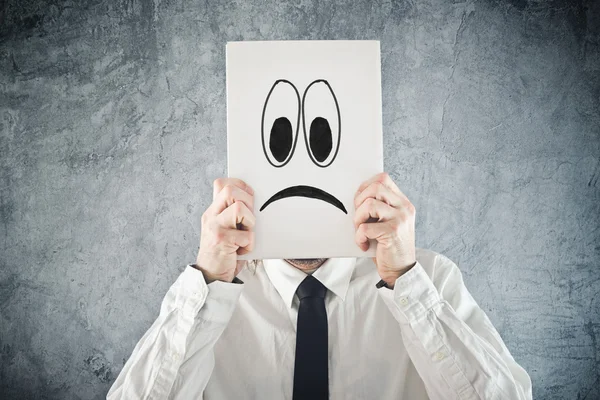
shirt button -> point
(176, 357)
(439, 356)
(403, 301)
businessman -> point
(401, 325)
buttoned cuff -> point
(414, 294)
(193, 292)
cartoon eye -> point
(280, 123)
(320, 109)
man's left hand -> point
(385, 214)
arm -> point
(175, 357)
(452, 343)
(192, 317)
(457, 351)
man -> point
(400, 326)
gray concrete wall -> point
(113, 126)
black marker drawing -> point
(282, 144)
(282, 140)
(319, 144)
(320, 138)
(305, 191)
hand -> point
(384, 213)
(227, 230)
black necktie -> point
(310, 370)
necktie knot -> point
(311, 287)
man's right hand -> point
(227, 230)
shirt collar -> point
(335, 274)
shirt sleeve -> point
(193, 315)
(452, 343)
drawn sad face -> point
(321, 123)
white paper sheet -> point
(284, 144)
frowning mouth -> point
(305, 191)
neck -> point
(308, 265)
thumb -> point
(240, 264)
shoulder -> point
(430, 259)
(440, 269)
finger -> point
(247, 249)
(383, 178)
(237, 213)
(372, 208)
(245, 242)
(220, 183)
(243, 250)
(241, 239)
(378, 191)
(228, 195)
(371, 230)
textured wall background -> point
(113, 126)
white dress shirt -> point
(425, 339)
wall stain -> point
(98, 365)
